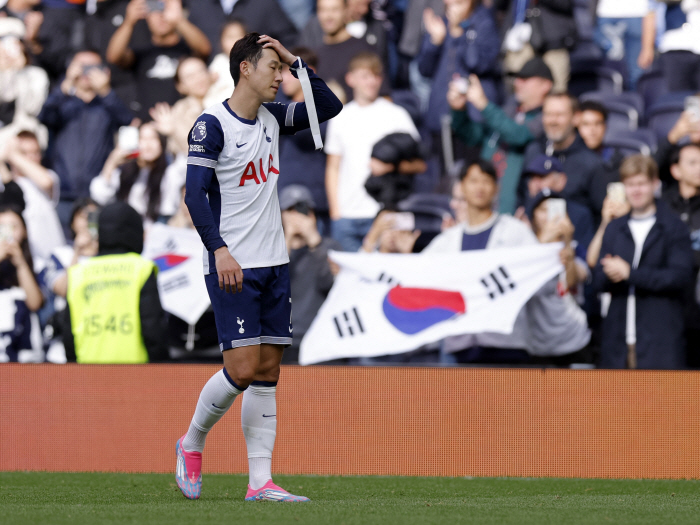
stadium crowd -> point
(468, 124)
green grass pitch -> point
(75, 499)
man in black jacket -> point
(120, 231)
(586, 182)
(646, 265)
(684, 199)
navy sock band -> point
(228, 378)
(264, 383)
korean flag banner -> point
(178, 254)
(384, 304)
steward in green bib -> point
(114, 313)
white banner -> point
(388, 304)
(178, 254)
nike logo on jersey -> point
(240, 145)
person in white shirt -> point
(144, 178)
(349, 141)
(41, 189)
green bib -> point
(104, 295)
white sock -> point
(259, 422)
(216, 398)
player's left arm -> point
(294, 117)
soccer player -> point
(231, 192)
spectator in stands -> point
(349, 141)
(109, 323)
(546, 178)
(360, 24)
(543, 28)
(686, 129)
(83, 228)
(646, 265)
(562, 141)
(389, 234)
(262, 16)
(337, 47)
(680, 50)
(145, 182)
(182, 217)
(83, 113)
(100, 25)
(193, 81)
(155, 62)
(310, 271)
(23, 87)
(465, 42)
(303, 164)
(19, 291)
(684, 200)
(627, 31)
(483, 229)
(503, 133)
(41, 189)
(557, 325)
(220, 68)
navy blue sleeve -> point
(206, 141)
(293, 117)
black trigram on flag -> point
(388, 279)
(498, 282)
(348, 323)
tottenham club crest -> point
(199, 131)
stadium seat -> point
(651, 85)
(626, 145)
(409, 101)
(645, 135)
(626, 110)
(662, 117)
(595, 79)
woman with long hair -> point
(19, 291)
(144, 182)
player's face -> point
(479, 189)
(267, 77)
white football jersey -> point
(245, 156)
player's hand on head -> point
(285, 56)
(229, 271)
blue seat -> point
(663, 116)
(651, 85)
(595, 79)
(627, 146)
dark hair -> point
(307, 55)
(79, 206)
(84, 50)
(563, 94)
(8, 272)
(675, 156)
(246, 49)
(26, 134)
(485, 166)
(130, 172)
(593, 105)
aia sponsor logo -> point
(257, 175)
